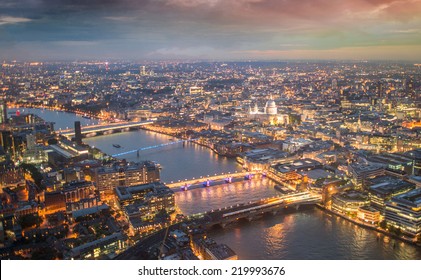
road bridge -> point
(225, 216)
(104, 129)
(256, 209)
(210, 180)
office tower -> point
(334, 84)
(3, 113)
(78, 133)
(142, 71)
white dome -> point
(270, 104)
(271, 108)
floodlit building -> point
(268, 114)
(368, 214)
(404, 211)
(141, 204)
(349, 202)
(107, 246)
(107, 178)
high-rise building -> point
(3, 113)
(334, 84)
(78, 133)
(142, 71)
(379, 89)
(6, 140)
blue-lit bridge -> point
(103, 129)
(210, 180)
(256, 209)
(152, 147)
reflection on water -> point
(62, 120)
(178, 161)
(214, 197)
(309, 234)
(306, 234)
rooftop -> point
(361, 168)
(317, 174)
(222, 252)
(352, 196)
(130, 166)
(157, 188)
(391, 159)
(411, 199)
(369, 208)
(305, 164)
(388, 185)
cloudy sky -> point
(210, 29)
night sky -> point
(210, 29)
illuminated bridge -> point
(210, 180)
(103, 129)
(223, 217)
(152, 147)
(254, 210)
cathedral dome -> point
(271, 108)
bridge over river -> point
(211, 180)
(255, 209)
(103, 129)
(225, 216)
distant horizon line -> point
(189, 60)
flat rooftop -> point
(411, 198)
(360, 168)
(317, 174)
(388, 185)
(298, 165)
(351, 196)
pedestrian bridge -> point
(152, 147)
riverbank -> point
(368, 226)
(56, 109)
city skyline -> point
(169, 160)
(199, 29)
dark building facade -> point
(78, 133)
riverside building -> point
(404, 211)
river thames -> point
(305, 234)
